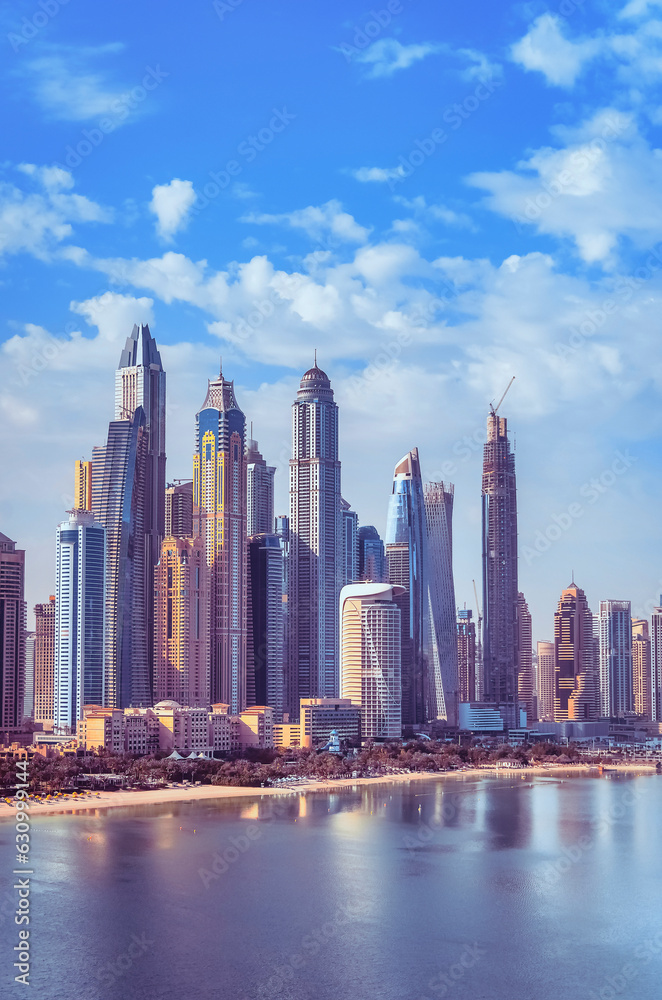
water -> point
(505, 887)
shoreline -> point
(96, 801)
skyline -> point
(312, 246)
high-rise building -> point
(118, 488)
(79, 618)
(656, 663)
(441, 629)
(260, 487)
(466, 655)
(28, 696)
(140, 381)
(83, 485)
(181, 668)
(265, 680)
(405, 543)
(350, 543)
(642, 685)
(219, 516)
(545, 680)
(576, 679)
(44, 663)
(12, 634)
(179, 509)
(525, 680)
(371, 554)
(316, 549)
(614, 631)
(499, 516)
(370, 656)
(290, 685)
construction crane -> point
(479, 644)
(493, 408)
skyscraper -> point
(118, 488)
(370, 656)
(83, 485)
(466, 655)
(525, 680)
(614, 630)
(405, 542)
(371, 554)
(576, 687)
(219, 516)
(545, 680)
(315, 564)
(12, 634)
(499, 503)
(441, 629)
(265, 667)
(260, 485)
(656, 663)
(350, 543)
(44, 663)
(179, 510)
(140, 381)
(79, 618)
(181, 668)
(642, 686)
(28, 695)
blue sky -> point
(435, 199)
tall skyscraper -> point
(576, 679)
(545, 680)
(350, 543)
(499, 502)
(44, 663)
(265, 667)
(118, 489)
(466, 655)
(181, 669)
(12, 634)
(405, 544)
(260, 485)
(28, 696)
(79, 618)
(441, 630)
(179, 510)
(525, 679)
(83, 485)
(614, 631)
(372, 564)
(642, 681)
(140, 381)
(370, 656)
(656, 663)
(220, 516)
(315, 564)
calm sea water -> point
(533, 888)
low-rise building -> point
(320, 715)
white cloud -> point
(37, 222)
(387, 55)
(437, 213)
(377, 175)
(66, 89)
(545, 49)
(171, 204)
(603, 186)
(479, 67)
(638, 8)
(319, 222)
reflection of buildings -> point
(12, 633)
(405, 547)
(315, 560)
(614, 630)
(499, 493)
(576, 694)
(370, 656)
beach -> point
(92, 802)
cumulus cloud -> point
(67, 89)
(171, 204)
(377, 175)
(387, 55)
(319, 222)
(546, 50)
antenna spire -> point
(315, 357)
(220, 368)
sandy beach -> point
(93, 802)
